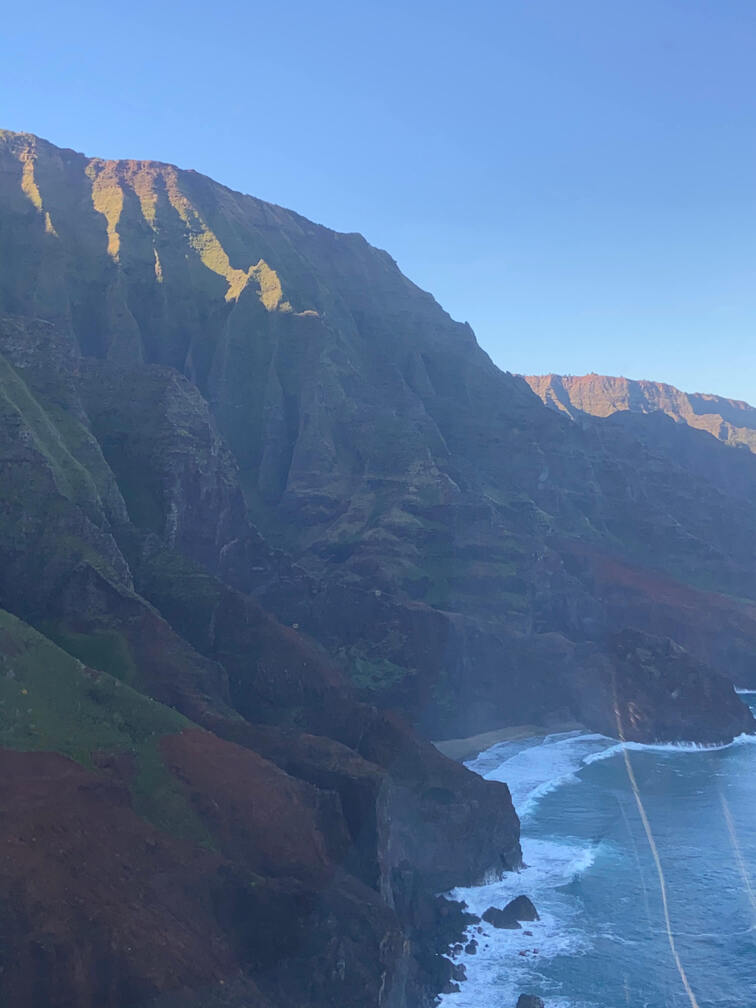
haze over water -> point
(603, 941)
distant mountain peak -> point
(729, 420)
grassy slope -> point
(50, 701)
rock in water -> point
(529, 1001)
(501, 919)
(522, 909)
(519, 909)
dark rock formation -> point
(522, 909)
(517, 910)
(529, 1001)
(651, 689)
(500, 919)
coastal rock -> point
(650, 689)
(522, 909)
(530, 1001)
(302, 852)
(500, 919)
(518, 909)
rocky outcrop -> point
(522, 909)
(715, 628)
(498, 918)
(530, 1001)
(651, 689)
(510, 917)
(71, 542)
(157, 915)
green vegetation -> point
(172, 581)
(107, 199)
(106, 650)
(373, 674)
(49, 701)
(81, 444)
(18, 404)
(160, 798)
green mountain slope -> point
(258, 493)
(431, 506)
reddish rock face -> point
(300, 880)
(99, 908)
(102, 910)
(728, 420)
(259, 817)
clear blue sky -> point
(576, 178)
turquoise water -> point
(603, 940)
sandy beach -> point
(462, 749)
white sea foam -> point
(499, 972)
(673, 748)
(534, 770)
(509, 962)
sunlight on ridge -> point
(107, 199)
(28, 181)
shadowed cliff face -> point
(296, 879)
(427, 504)
(149, 860)
(256, 489)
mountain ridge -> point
(253, 472)
(351, 422)
(603, 395)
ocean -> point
(642, 865)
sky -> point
(575, 178)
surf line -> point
(654, 851)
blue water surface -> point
(604, 940)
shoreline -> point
(462, 749)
